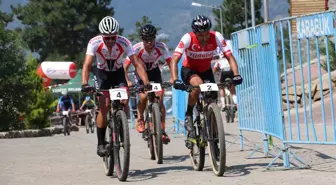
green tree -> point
(233, 14)
(61, 27)
(12, 70)
(41, 103)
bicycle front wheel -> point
(121, 144)
(157, 137)
(216, 141)
(109, 158)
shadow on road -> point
(245, 169)
(174, 159)
(142, 175)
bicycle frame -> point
(201, 120)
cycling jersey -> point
(65, 103)
(198, 57)
(89, 104)
(105, 60)
(151, 60)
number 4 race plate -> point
(155, 87)
(118, 94)
(209, 87)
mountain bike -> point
(208, 130)
(66, 122)
(229, 107)
(90, 120)
(152, 118)
(117, 136)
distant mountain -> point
(172, 16)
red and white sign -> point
(58, 70)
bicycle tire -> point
(150, 138)
(65, 126)
(157, 136)
(217, 169)
(228, 108)
(109, 158)
(198, 165)
(121, 132)
(87, 124)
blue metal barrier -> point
(180, 99)
(284, 92)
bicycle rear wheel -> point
(87, 124)
(157, 137)
(228, 109)
(216, 140)
(121, 140)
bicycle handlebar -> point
(140, 88)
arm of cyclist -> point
(183, 44)
(126, 66)
(88, 61)
(139, 69)
(81, 108)
(59, 104)
(228, 54)
(72, 104)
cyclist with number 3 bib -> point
(150, 51)
(199, 48)
(107, 49)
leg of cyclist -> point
(140, 127)
(190, 77)
(102, 82)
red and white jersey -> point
(151, 60)
(198, 57)
(109, 61)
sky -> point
(173, 16)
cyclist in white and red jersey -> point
(150, 51)
(107, 49)
(222, 67)
(199, 48)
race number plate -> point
(209, 87)
(156, 87)
(118, 94)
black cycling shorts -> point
(154, 75)
(187, 74)
(226, 74)
(105, 80)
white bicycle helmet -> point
(108, 25)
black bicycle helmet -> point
(147, 31)
(201, 23)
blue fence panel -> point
(180, 99)
(289, 78)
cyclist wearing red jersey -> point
(150, 51)
(199, 48)
(107, 49)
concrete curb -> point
(50, 131)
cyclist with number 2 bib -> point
(199, 47)
(107, 49)
(150, 51)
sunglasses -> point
(149, 39)
(109, 38)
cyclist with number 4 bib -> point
(199, 47)
(107, 49)
(150, 51)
